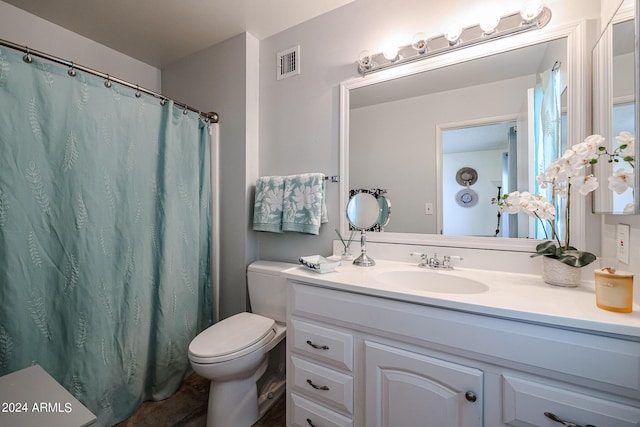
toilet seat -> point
(231, 338)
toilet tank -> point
(268, 289)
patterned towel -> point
(304, 208)
(267, 213)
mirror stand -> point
(363, 260)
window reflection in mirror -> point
(396, 138)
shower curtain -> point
(104, 235)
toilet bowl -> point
(235, 353)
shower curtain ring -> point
(72, 71)
(185, 112)
(138, 93)
(107, 83)
(163, 101)
(27, 57)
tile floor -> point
(188, 408)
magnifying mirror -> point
(385, 211)
(363, 212)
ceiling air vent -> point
(288, 62)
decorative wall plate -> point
(466, 176)
(466, 197)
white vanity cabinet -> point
(366, 361)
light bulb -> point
(391, 53)
(531, 10)
(419, 42)
(488, 24)
(365, 60)
(452, 34)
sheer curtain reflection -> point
(104, 235)
(548, 140)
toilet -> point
(244, 355)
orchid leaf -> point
(567, 255)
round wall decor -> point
(466, 176)
(466, 197)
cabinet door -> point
(406, 389)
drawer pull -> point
(317, 387)
(470, 396)
(316, 346)
(557, 419)
(310, 423)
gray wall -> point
(223, 78)
(25, 29)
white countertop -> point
(523, 297)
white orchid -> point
(626, 140)
(621, 180)
(561, 176)
(585, 184)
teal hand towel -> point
(304, 208)
(267, 211)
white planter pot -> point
(558, 273)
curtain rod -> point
(211, 116)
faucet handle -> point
(446, 262)
(423, 257)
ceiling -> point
(159, 32)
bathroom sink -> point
(430, 281)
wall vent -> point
(288, 62)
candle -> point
(614, 290)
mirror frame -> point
(603, 106)
(577, 110)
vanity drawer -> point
(306, 413)
(525, 402)
(323, 344)
(323, 384)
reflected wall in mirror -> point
(615, 108)
(411, 134)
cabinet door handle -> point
(317, 387)
(470, 396)
(316, 346)
(566, 423)
(310, 423)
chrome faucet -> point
(434, 262)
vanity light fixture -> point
(390, 53)
(488, 24)
(533, 16)
(452, 34)
(419, 43)
(365, 60)
(531, 10)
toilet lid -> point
(230, 338)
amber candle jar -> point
(614, 290)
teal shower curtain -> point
(104, 235)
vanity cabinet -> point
(367, 361)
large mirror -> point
(411, 129)
(615, 110)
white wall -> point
(480, 219)
(224, 79)
(25, 29)
(401, 136)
